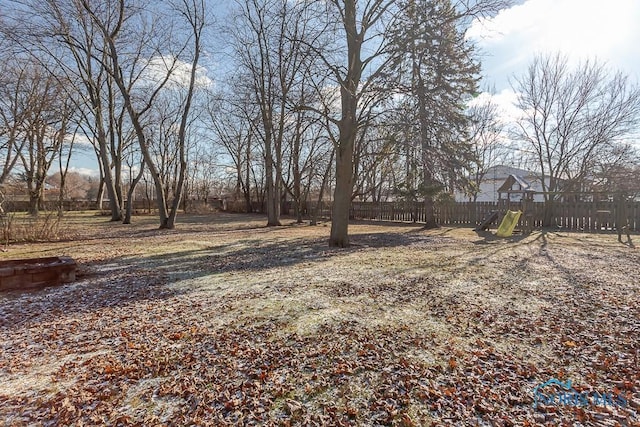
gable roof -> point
(501, 172)
(507, 186)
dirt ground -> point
(225, 322)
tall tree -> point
(45, 127)
(231, 125)
(435, 75)
(270, 43)
(308, 144)
(14, 81)
(364, 47)
(64, 160)
(63, 33)
(153, 60)
(194, 13)
(368, 53)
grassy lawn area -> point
(225, 322)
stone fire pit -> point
(36, 273)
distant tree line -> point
(277, 101)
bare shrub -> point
(46, 227)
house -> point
(497, 176)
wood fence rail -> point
(579, 216)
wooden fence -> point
(579, 216)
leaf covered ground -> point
(225, 322)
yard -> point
(225, 322)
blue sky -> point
(606, 30)
(582, 29)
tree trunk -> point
(128, 208)
(325, 178)
(297, 210)
(429, 203)
(342, 196)
(247, 201)
(109, 184)
(35, 193)
(100, 197)
(348, 126)
(247, 179)
(63, 177)
(297, 187)
(132, 189)
(429, 213)
(34, 204)
(161, 201)
(273, 196)
(173, 213)
(548, 212)
(107, 180)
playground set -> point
(516, 211)
(514, 188)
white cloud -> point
(79, 139)
(80, 170)
(85, 171)
(157, 68)
(579, 28)
(505, 102)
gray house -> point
(499, 176)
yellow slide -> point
(508, 223)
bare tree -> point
(618, 172)
(232, 124)
(364, 48)
(134, 167)
(308, 144)
(66, 149)
(61, 34)
(270, 37)
(201, 176)
(486, 133)
(45, 128)
(367, 55)
(161, 133)
(152, 58)
(571, 118)
(375, 155)
(14, 78)
(619, 177)
(77, 185)
(194, 14)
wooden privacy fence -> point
(465, 213)
(579, 216)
